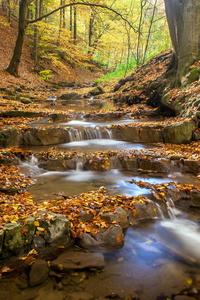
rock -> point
(14, 240)
(45, 136)
(120, 216)
(190, 166)
(114, 237)
(19, 113)
(161, 165)
(1, 240)
(25, 100)
(70, 96)
(60, 117)
(58, 233)
(38, 242)
(56, 164)
(195, 198)
(38, 273)
(86, 241)
(129, 162)
(150, 135)
(179, 133)
(192, 76)
(144, 210)
(30, 228)
(80, 296)
(85, 217)
(97, 91)
(174, 105)
(130, 133)
(184, 297)
(9, 137)
(22, 281)
(72, 260)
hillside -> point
(27, 70)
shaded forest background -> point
(81, 42)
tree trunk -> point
(75, 25)
(15, 61)
(91, 29)
(183, 19)
(36, 33)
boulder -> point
(161, 165)
(45, 136)
(78, 260)
(114, 237)
(130, 133)
(38, 273)
(86, 241)
(2, 233)
(22, 281)
(190, 166)
(38, 242)
(14, 240)
(69, 96)
(129, 162)
(150, 135)
(195, 198)
(119, 215)
(9, 137)
(192, 76)
(97, 91)
(80, 296)
(19, 113)
(179, 133)
(60, 117)
(144, 210)
(30, 229)
(58, 233)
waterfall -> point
(89, 133)
(170, 208)
(160, 213)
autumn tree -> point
(183, 18)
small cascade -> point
(170, 207)
(79, 166)
(31, 166)
(34, 161)
(89, 133)
(160, 213)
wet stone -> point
(59, 231)
(119, 215)
(144, 210)
(38, 242)
(14, 238)
(80, 296)
(22, 281)
(78, 260)
(195, 198)
(39, 272)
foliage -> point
(45, 75)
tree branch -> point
(84, 4)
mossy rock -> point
(1, 240)
(14, 240)
(9, 137)
(179, 133)
(97, 91)
(192, 76)
(19, 113)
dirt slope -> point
(28, 75)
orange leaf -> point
(36, 223)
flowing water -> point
(158, 256)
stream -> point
(158, 257)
